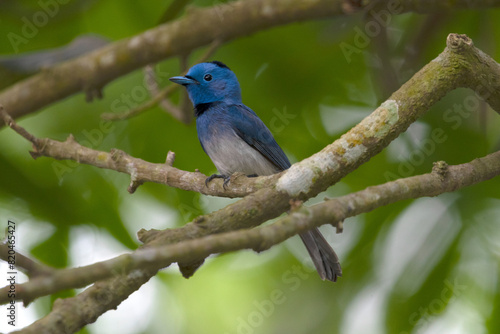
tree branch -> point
(71, 314)
(159, 96)
(28, 266)
(199, 27)
(443, 178)
(453, 68)
(139, 170)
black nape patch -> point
(220, 64)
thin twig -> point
(185, 106)
(419, 38)
(140, 171)
(28, 266)
(16, 127)
(154, 90)
(160, 96)
(384, 75)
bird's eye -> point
(207, 77)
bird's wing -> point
(249, 127)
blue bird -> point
(236, 140)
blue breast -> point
(236, 140)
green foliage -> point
(300, 71)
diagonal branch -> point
(443, 178)
(159, 96)
(199, 27)
(28, 266)
(72, 314)
(459, 65)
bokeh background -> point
(422, 266)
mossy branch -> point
(443, 178)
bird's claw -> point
(226, 181)
(218, 176)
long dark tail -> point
(324, 258)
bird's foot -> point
(218, 176)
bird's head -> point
(210, 82)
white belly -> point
(231, 154)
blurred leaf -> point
(408, 313)
(54, 250)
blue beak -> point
(187, 80)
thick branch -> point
(443, 179)
(199, 27)
(71, 314)
(459, 65)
